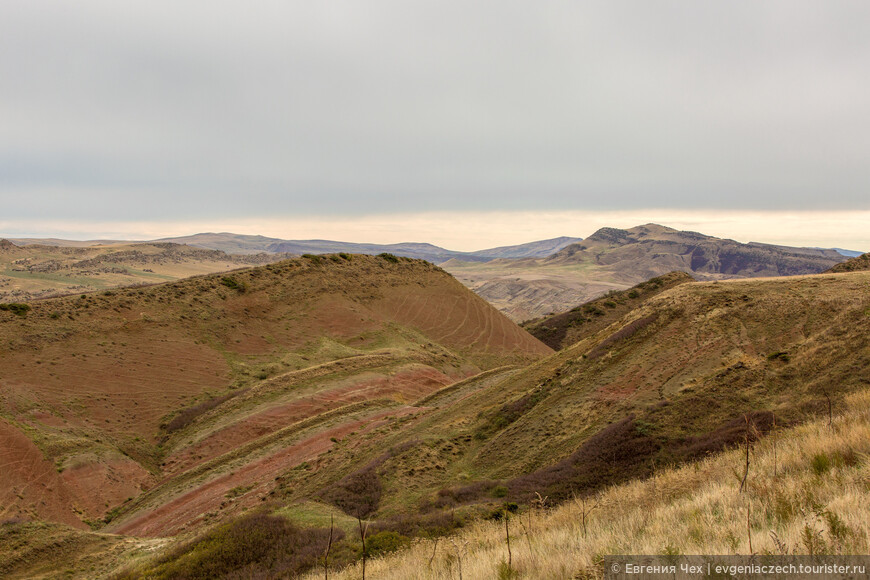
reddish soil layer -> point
(196, 505)
(33, 487)
(407, 385)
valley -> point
(329, 388)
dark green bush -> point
(233, 284)
(389, 257)
(821, 463)
(780, 355)
(499, 491)
(18, 308)
(385, 542)
(253, 546)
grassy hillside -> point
(566, 328)
(808, 492)
(35, 271)
(418, 408)
(148, 389)
(855, 264)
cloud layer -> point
(118, 111)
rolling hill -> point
(562, 330)
(855, 264)
(40, 270)
(323, 388)
(99, 390)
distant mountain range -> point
(533, 279)
(252, 244)
(615, 259)
(652, 250)
(247, 244)
(242, 244)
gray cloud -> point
(205, 109)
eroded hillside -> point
(130, 389)
(387, 416)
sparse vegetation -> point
(17, 308)
(561, 330)
(233, 283)
(425, 444)
(688, 510)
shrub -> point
(357, 494)
(238, 491)
(616, 453)
(733, 432)
(313, 258)
(418, 525)
(781, 355)
(233, 284)
(385, 542)
(499, 491)
(510, 412)
(821, 463)
(389, 257)
(345, 256)
(186, 416)
(465, 494)
(253, 546)
(18, 308)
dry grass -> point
(818, 502)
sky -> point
(467, 124)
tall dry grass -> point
(818, 502)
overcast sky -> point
(133, 118)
